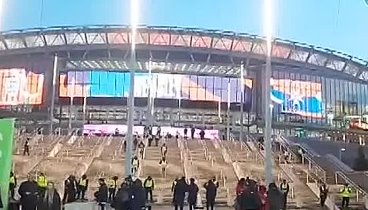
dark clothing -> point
(201, 134)
(101, 194)
(112, 192)
(138, 196)
(26, 148)
(250, 199)
(211, 192)
(45, 204)
(323, 191)
(1, 202)
(274, 197)
(82, 189)
(285, 190)
(70, 190)
(192, 197)
(192, 131)
(180, 189)
(345, 202)
(122, 199)
(28, 195)
(185, 132)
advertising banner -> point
(6, 148)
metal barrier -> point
(358, 189)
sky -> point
(341, 25)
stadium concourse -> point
(103, 157)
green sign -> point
(6, 148)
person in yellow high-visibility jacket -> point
(41, 184)
(82, 187)
(149, 185)
(345, 193)
(12, 185)
(112, 185)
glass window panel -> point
(201, 92)
(233, 89)
(218, 92)
(209, 88)
(185, 87)
(224, 85)
(193, 87)
(218, 83)
(104, 84)
(119, 84)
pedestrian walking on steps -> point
(135, 164)
(12, 185)
(250, 199)
(185, 133)
(274, 197)
(102, 194)
(211, 193)
(345, 194)
(82, 187)
(150, 139)
(163, 164)
(193, 193)
(51, 200)
(149, 186)
(284, 188)
(28, 192)
(192, 132)
(112, 184)
(26, 147)
(323, 192)
(70, 189)
(141, 147)
(163, 150)
(180, 189)
(122, 198)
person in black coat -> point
(180, 189)
(102, 194)
(51, 200)
(193, 193)
(70, 189)
(211, 193)
(28, 192)
(122, 198)
(138, 195)
(192, 132)
(274, 197)
(250, 199)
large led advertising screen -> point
(19, 86)
(164, 86)
(302, 98)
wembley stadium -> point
(192, 75)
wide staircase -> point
(73, 159)
(228, 177)
(110, 163)
(40, 147)
(313, 169)
(204, 170)
(162, 193)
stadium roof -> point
(175, 50)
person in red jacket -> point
(240, 187)
(263, 195)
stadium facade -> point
(193, 72)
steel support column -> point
(52, 107)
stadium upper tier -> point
(174, 50)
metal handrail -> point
(351, 182)
(342, 166)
